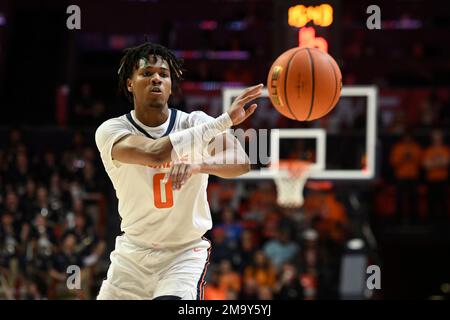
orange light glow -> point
(307, 38)
(300, 15)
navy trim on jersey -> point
(173, 115)
(168, 297)
(201, 282)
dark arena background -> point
(383, 233)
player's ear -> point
(129, 85)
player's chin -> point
(157, 102)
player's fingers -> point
(186, 175)
(174, 175)
(246, 90)
(168, 175)
(251, 97)
(250, 110)
(250, 91)
(180, 174)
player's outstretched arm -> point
(134, 149)
(227, 160)
(192, 141)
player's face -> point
(151, 83)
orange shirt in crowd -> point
(333, 218)
(406, 159)
(436, 160)
(263, 276)
(230, 281)
(215, 293)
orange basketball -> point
(304, 84)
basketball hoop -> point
(290, 178)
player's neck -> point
(152, 117)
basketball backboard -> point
(342, 145)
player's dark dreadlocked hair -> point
(132, 56)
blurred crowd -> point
(50, 206)
(420, 180)
(262, 251)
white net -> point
(290, 181)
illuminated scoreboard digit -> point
(299, 16)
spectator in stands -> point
(58, 194)
(12, 207)
(294, 220)
(263, 195)
(231, 227)
(28, 199)
(18, 173)
(398, 123)
(223, 194)
(26, 241)
(261, 270)
(66, 256)
(331, 220)
(8, 239)
(249, 290)
(90, 246)
(229, 279)
(32, 291)
(47, 167)
(43, 206)
(88, 110)
(265, 293)
(44, 234)
(406, 160)
(281, 249)
(213, 289)
(252, 217)
(310, 264)
(289, 286)
(436, 161)
(89, 178)
(39, 262)
(73, 158)
(246, 250)
(222, 249)
(270, 223)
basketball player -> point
(151, 156)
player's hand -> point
(237, 112)
(180, 172)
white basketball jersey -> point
(153, 215)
